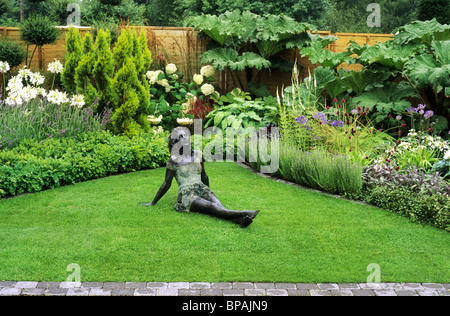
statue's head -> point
(180, 143)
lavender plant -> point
(320, 170)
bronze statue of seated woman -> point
(194, 194)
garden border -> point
(28, 288)
(246, 166)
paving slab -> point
(32, 288)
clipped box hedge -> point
(33, 166)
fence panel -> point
(182, 47)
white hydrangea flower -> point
(163, 82)
(55, 67)
(171, 69)
(57, 97)
(190, 96)
(4, 66)
(149, 74)
(185, 107)
(157, 130)
(207, 89)
(447, 155)
(198, 79)
(207, 71)
(77, 100)
(185, 121)
(154, 120)
(152, 76)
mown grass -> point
(299, 235)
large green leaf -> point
(383, 100)
(249, 59)
(220, 57)
(335, 88)
(422, 32)
(431, 70)
(324, 57)
(218, 30)
(388, 54)
(357, 81)
(321, 76)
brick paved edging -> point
(12, 288)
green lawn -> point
(299, 235)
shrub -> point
(39, 30)
(175, 98)
(412, 193)
(73, 56)
(423, 208)
(11, 52)
(34, 166)
(112, 78)
(240, 112)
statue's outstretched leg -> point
(243, 218)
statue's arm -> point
(165, 186)
(205, 178)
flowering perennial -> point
(55, 67)
(207, 89)
(4, 66)
(171, 69)
(207, 71)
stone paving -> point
(12, 288)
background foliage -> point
(334, 15)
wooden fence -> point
(182, 47)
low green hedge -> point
(33, 166)
(433, 209)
